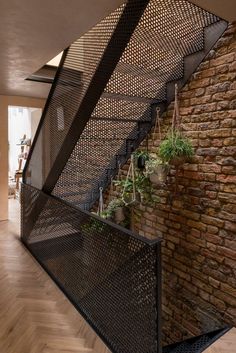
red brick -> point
(214, 282)
(197, 225)
(212, 238)
(226, 178)
(212, 221)
(226, 252)
(219, 304)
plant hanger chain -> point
(101, 202)
(131, 171)
(157, 125)
(176, 115)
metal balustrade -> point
(101, 106)
(112, 276)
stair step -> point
(196, 344)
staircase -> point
(103, 100)
(197, 344)
(101, 106)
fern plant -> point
(175, 147)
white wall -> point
(19, 124)
(35, 118)
(21, 121)
(5, 101)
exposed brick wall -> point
(198, 222)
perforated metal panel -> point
(99, 110)
(165, 32)
(111, 275)
(76, 71)
(197, 344)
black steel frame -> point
(35, 224)
(146, 246)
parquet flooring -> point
(226, 344)
(35, 316)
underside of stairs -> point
(107, 89)
(196, 344)
(102, 105)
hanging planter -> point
(159, 176)
(175, 149)
(141, 157)
(155, 168)
(157, 171)
(115, 210)
(119, 215)
(177, 161)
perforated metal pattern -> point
(196, 344)
(165, 34)
(74, 77)
(167, 31)
(109, 274)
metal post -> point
(159, 297)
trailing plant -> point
(145, 188)
(112, 207)
(175, 147)
(141, 153)
(157, 170)
(126, 184)
(152, 164)
(94, 225)
(141, 184)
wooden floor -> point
(35, 317)
(226, 344)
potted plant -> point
(157, 170)
(94, 225)
(126, 190)
(141, 158)
(145, 188)
(175, 149)
(115, 210)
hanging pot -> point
(177, 161)
(119, 215)
(138, 197)
(128, 198)
(141, 162)
(159, 176)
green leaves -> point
(175, 145)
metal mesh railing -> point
(99, 110)
(111, 275)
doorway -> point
(22, 125)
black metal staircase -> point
(100, 108)
(196, 344)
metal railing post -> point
(159, 297)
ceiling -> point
(33, 32)
(223, 8)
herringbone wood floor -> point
(35, 317)
(226, 344)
